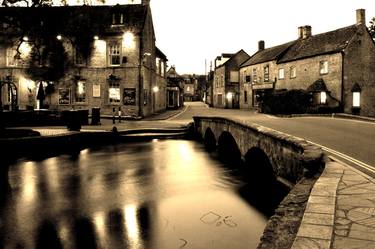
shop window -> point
(114, 92)
(80, 95)
(281, 73)
(114, 54)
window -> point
(117, 18)
(81, 91)
(11, 61)
(114, 92)
(114, 55)
(323, 98)
(323, 67)
(188, 89)
(162, 68)
(356, 99)
(266, 71)
(293, 72)
(79, 60)
(248, 78)
(245, 96)
(254, 75)
(281, 73)
(157, 62)
(222, 80)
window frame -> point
(266, 73)
(114, 52)
(114, 84)
(323, 67)
(255, 75)
(283, 74)
(293, 72)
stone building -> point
(336, 67)
(225, 87)
(175, 89)
(123, 70)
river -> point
(160, 194)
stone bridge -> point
(267, 153)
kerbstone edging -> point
(316, 229)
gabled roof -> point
(329, 42)
(268, 54)
(238, 60)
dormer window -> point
(117, 18)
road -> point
(351, 141)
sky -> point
(192, 32)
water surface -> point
(160, 194)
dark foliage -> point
(286, 102)
(372, 28)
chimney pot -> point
(260, 45)
(306, 32)
(361, 16)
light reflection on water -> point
(163, 194)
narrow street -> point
(351, 141)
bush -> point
(286, 102)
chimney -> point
(261, 45)
(361, 16)
(306, 33)
(300, 32)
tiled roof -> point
(134, 15)
(238, 59)
(329, 42)
(267, 54)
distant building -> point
(225, 87)
(175, 89)
(336, 67)
(124, 68)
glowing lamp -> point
(59, 37)
(155, 89)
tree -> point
(372, 28)
(39, 25)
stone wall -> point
(290, 157)
(359, 67)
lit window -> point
(188, 89)
(114, 55)
(293, 72)
(323, 97)
(356, 99)
(157, 65)
(323, 67)
(254, 75)
(114, 92)
(266, 73)
(281, 73)
(81, 91)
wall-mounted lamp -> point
(59, 37)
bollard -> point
(119, 114)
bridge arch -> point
(260, 166)
(228, 148)
(209, 140)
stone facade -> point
(226, 88)
(126, 84)
(336, 67)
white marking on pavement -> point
(175, 116)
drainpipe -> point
(342, 103)
(140, 77)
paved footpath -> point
(340, 213)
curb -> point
(333, 115)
